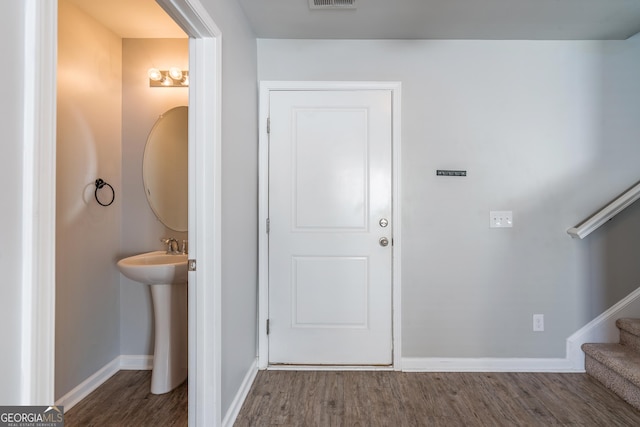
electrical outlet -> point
(538, 322)
(501, 219)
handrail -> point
(592, 223)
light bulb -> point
(167, 81)
(175, 73)
(154, 74)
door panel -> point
(330, 169)
(329, 185)
(330, 292)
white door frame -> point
(39, 177)
(39, 203)
(263, 204)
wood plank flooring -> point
(359, 399)
(125, 400)
(304, 398)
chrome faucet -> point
(172, 245)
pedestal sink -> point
(166, 275)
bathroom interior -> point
(105, 112)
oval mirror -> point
(165, 169)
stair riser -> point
(630, 340)
(629, 325)
(614, 382)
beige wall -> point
(105, 112)
(141, 230)
(87, 234)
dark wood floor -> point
(359, 399)
(125, 400)
(286, 398)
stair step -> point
(617, 367)
(629, 332)
(629, 325)
(619, 358)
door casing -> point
(263, 191)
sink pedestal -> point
(166, 275)
(170, 358)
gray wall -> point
(545, 129)
(11, 118)
(141, 231)
(87, 234)
(613, 252)
(239, 194)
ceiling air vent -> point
(332, 4)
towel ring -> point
(99, 185)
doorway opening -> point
(204, 201)
(105, 111)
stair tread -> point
(629, 324)
(621, 359)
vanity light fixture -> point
(173, 77)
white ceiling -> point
(397, 19)
(447, 19)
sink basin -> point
(155, 268)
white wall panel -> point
(11, 117)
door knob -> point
(383, 241)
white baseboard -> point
(129, 362)
(328, 368)
(243, 391)
(602, 329)
(81, 391)
(126, 362)
(435, 364)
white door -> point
(330, 235)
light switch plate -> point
(501, 219)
